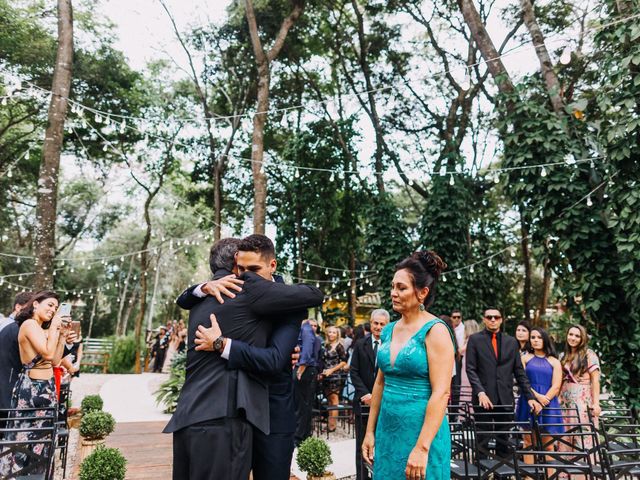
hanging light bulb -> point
(496, 178)
(332, 177)
(459, 276)
(565, 58)
(452, 182)
(466, 83)
(98, 118)
(543, 172)
(123, 126)
(9, 174)
(18, 260)
(471, 269)
(297, 174)
(513, 254)
(444, 278)
(27, 155)
(105, 147)
(344, 273)
(490, 263)
(410, 183)
(589, 202)
(569, 159)
(326, 271)
(307, 268)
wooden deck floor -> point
(148, 451)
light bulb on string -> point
(18, 260)
(98, 118)
(466, 82)
(496, 178)
(326, 271)
(123, 126)
(490, 263)
(459, 276)
(307, 268)
(472, 269)
(543, 172)
(569, 159)
(513, 254)
(452, 182)
(565, 58)
(344, 273)
(297, 174)
(332, 177)
(9, 174)
(589, 201)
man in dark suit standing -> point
(493, 361)
(364, 368)
(272, 453)
(220, 408)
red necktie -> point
(494, 342)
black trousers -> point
(272, 455)
(213, 450)
(159, 360)
(361, 413)
(304, 391)
(487, 424)
(456, 382)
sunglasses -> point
(455, 317)
(493, 317)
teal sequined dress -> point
(404, 401)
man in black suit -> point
(493, 360)
(272, 453)
(219, 407)
(364, 368)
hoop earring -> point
(421, 307)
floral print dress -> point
(576, 392)
(28, 393)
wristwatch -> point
(218, 344)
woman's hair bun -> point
(431, 262)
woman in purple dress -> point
(545, 375)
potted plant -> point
(104, 464)
(94, 428)
(314, 456)
(91, 403)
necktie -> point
(375, 353)
(494, 342)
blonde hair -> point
(338, 332)
(470, 327)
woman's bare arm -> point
(556, 381)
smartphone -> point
(64, 310)
(75, 326)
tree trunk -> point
(257, 150)
(353, 292)
(526, 261)
(144, 284)
(129, 309)
(299, 240)
(263, 63)
(93, 314)
(546, 65)
(155, 290)
(487, 48)
(46, 209)
(123, 298)
(546, 286)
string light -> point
(565, 58)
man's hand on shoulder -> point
(223, 286)
(206, 336)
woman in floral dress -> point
(41, 341)
(581, 382)
(334, 359)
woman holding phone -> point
(41, 340)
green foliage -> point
(169, 391)
(314, 456)
(123, 355)
(104, 464)
(91, 403)
(96, 425)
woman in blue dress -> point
(408, 434)
(545, 375)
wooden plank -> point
(148, 451)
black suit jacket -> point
(363, 371)
(495, 376)
(211, 389)
(272, 362)
(10, 364)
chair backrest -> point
(27, 441)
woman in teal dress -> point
(408, 434)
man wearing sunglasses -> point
(493, 361)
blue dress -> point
(540, 373)
(404, 401)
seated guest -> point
(545, 376)
(41, 341)
(334, 358)
(581, 385)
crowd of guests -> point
(494, 372)
(167, 341)
(39, 351)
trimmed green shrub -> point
(91, 403)
(104, 464)
(96, 425)
(169, 391)
(123, 355)
(314, 456)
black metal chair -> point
(621, 448)
(62, 431)
(27, 442)
(463, 465)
